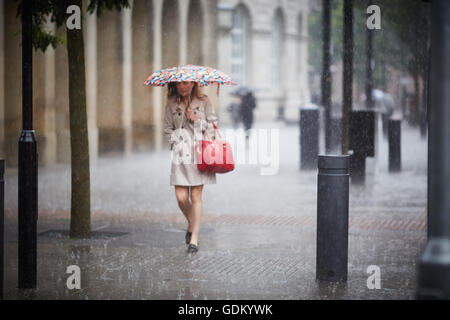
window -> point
(277, 48)
(239, 41)
(299, 43)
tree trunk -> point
(424, 108)
(425, 94)
(326, 73)
(416, 103)
(369, 65)
(348, 73)
(80, 215)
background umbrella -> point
(243, 90)
(204, 76)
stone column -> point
(62, 119)
(12, 83)
(195, 33)
(183, 7)
(50, 114)
(167, 54)
(44, 101)
(157, 64)
(210, 32)
(39, 104)
(127, 98)
(90, 56)
(210, 35)
(262, 50)
(110, 59)
(223, 43)
(290, 77)
(305, 95)
(171, 42)
(143, 117)
(202, 40)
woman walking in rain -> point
(188, 117)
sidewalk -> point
(258, 242)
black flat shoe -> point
(188, 237)
(192, 248)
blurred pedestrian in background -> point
(248, 104)
(384, 103)
(235, 110)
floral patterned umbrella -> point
(204, 76)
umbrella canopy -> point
(242, 91)
(204, 76)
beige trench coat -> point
(181, 133)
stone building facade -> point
(263, 44)
(123, 48)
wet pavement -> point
(257, 239)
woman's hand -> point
(190, 114)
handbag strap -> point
(215, 130)
(206, 133)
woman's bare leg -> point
(196, 212)
(182, 194)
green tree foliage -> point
(401, 43)
(55, 11)
(44, 11)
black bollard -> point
(28, 210)
(362, 134)
(395, 150)
(357, 167)
(28, 163)
(2, 223)
(433, 273)
(309, 137)
(332, 218)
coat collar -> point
(194, 103)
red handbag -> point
(214, 155)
